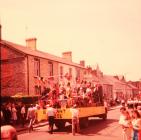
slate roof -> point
(111, 80)
(132, 86)
(45, 55)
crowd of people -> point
(84, 93)
(130, 121)
(18, 114)
(12, 113)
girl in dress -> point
(14, 114)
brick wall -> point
(8, 53)
(44, 72)
(18, 72)
(31, 75)
(12, 72)
(55, 71)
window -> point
(61, 71)
(70, 71)
(78, 73)
(36, 67)
(85, 72)
(37, 90)
(50, 65)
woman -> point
(14, 114)
(136, 124)
(127, 126)
(125, 122)
(139, 110)
(23, 115)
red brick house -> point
(136, 84)
(24, 68)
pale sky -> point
(104, 32)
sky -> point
(103, 32)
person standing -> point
(2, 115)
(51, 116)
(14, 114)
(127, 125)
(136, 124)
(68, 90)
(7, 114)
(75, 119)
(106, 105)
(31, 117)
(122, 120)
(23, 115)
(2, 118)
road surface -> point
(97, 130)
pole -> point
(0, 32)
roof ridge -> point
(40, 53)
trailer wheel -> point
(84, 122)
(104, 116)
(60, 124)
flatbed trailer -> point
(63, 115)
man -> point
(31, 115)
(106, 105)
(75, 119)
(7, 114)
(51, 115)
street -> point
(97, 129)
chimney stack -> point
(31, 43)
(67, 55)
(82, 63)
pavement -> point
(43, 123)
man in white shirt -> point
(31, 116)
(75, 119)
(51, 115)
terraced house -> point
(24, 68)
